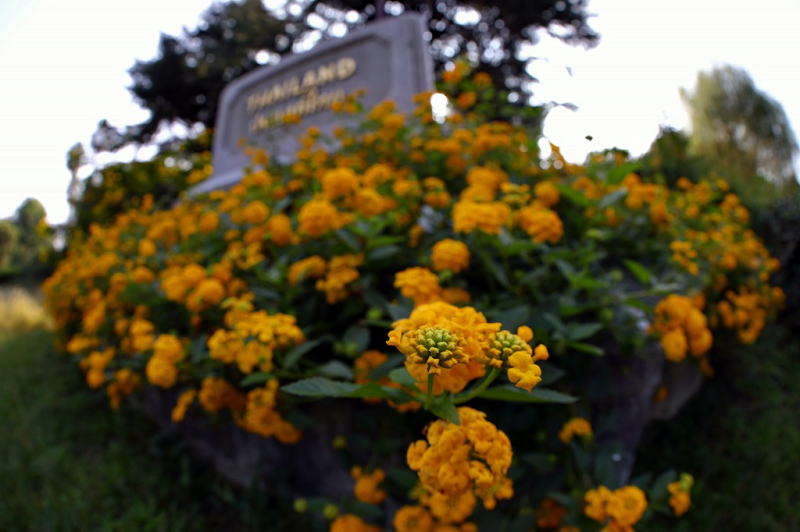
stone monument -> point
(387, 59)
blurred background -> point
(105, 102)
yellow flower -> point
(472, 457)
(547, 194)
(674, 344)
(351, 523)
(679, 500)
(543, 225)
(310, 267)
(627, 505)
(488, 217)
(184, 401)
(168, 347)
(161, 372)
(419, 285)
(366, 487)
(412, 519)
(339, 182)
(449, 254)
(317, 217)
(442, 338)
(576, 426)
(280, 229)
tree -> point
(740, 129)
(182, 84)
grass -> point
(69, 463)
(740, 437)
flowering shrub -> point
(390, 264)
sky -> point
(64, 68)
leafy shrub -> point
(447, 241)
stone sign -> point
(387, 59)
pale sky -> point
(64, 64)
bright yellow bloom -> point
(419, 285)
(412, 519)
(351, 523)
(576, 426)
(317, 217)
(543, 225)
(458, 459)
(161, 372)
(449, 254)
(311, 267)
(339, 182)
(366, 487)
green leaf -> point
(616, 175)
(383, 252)
(349, 240)
(403, 476)
(402, 376)
(398, 312)
(319, 387)
(612, 198)
(445, 409)
(495, 269)
(256, 378)
(357, 335)
(586, 348)
(383, 370)
(550, 372)
(336, 368)
(573, 195)
(508, 392)
(579, 331)
(642, 274)
(513, 317)
(297, 352)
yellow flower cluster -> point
(576, 426)
(746, 311)
(679, 494)
(619, 509)
(252, 338)
(161, 370)
(418, 518)
(449, 254)
(366, 487)
(351, 523)
(455, 345)
(472, 457)
(261, 417)
(683, 328)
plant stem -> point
(429, 395)
(493, 373)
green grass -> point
(70, 463)
(740, 437)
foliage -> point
(290, 285)
(26, 241)
(119, 187)
(740, 129)
(182, 85)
